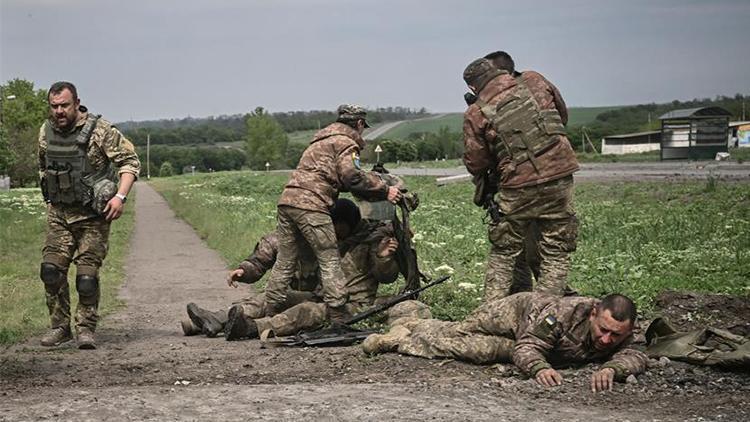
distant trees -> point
(636, 118)
(23, 110)
(421, 146)
(203, 158)
(266, 140)
(166, 169)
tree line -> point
(645, 117)
(226, 129)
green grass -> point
(635, 238)
(301, 136)
(23, 312)
(454, 121)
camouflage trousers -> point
(486, 336)
(526, 266)
(548, 205)
(85, 244)
(309, 316)
(297, 227)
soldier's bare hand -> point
(602, 380)
(394, 194)
(114, 208)
(387, 247)
(549, 377)
(234, 276)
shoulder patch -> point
(355, 160)
(545, 329)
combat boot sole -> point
(86, 340)
(238, 326)
(205, 320)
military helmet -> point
(479, 72)
(103, 191)
(352, 112)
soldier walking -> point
(80, 158)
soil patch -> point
(145, 369)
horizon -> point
(144, 61)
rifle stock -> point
(393, 301)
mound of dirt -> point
(692, 310)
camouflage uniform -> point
(534, 331)
(305, 284)
(539, 189)
(329, 165)
(76, 233)
(363, 272)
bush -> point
(166, 169)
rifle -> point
(484, 196)
(342, 334)
(406, 256)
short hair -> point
(349, 122)
(347, 212)
(60, 86)
(621, 307)
(502, 61)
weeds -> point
(635, 238)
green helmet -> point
(103, 191)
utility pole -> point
(148, 156)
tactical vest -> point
(69, 178)
(524, 129)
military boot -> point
(211, 323)
(190, 329)
(388, 342)
(57, 336)
(86, 339)
(239, 325)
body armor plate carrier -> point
(524, 129)
(69, 178)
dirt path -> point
(146, 370)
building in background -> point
(632, 143)
(694, 133)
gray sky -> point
(144, 59)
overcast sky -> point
(149, 59)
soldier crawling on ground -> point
(535, 331)
(367, 249)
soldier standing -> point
(329, 165)
(515, 130)
(80, 158)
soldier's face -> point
(63, 108)
(606, 332)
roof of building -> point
(634, 135)
(695, 112)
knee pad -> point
(87, 287)
(51, 275)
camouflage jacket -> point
(261, 260)
(556, 331)
(107, 145)
(330, 165)
(480, 138)
(363, 268)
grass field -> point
(635, 238)
(23, 311)
(454, 121)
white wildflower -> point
(444, 269)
